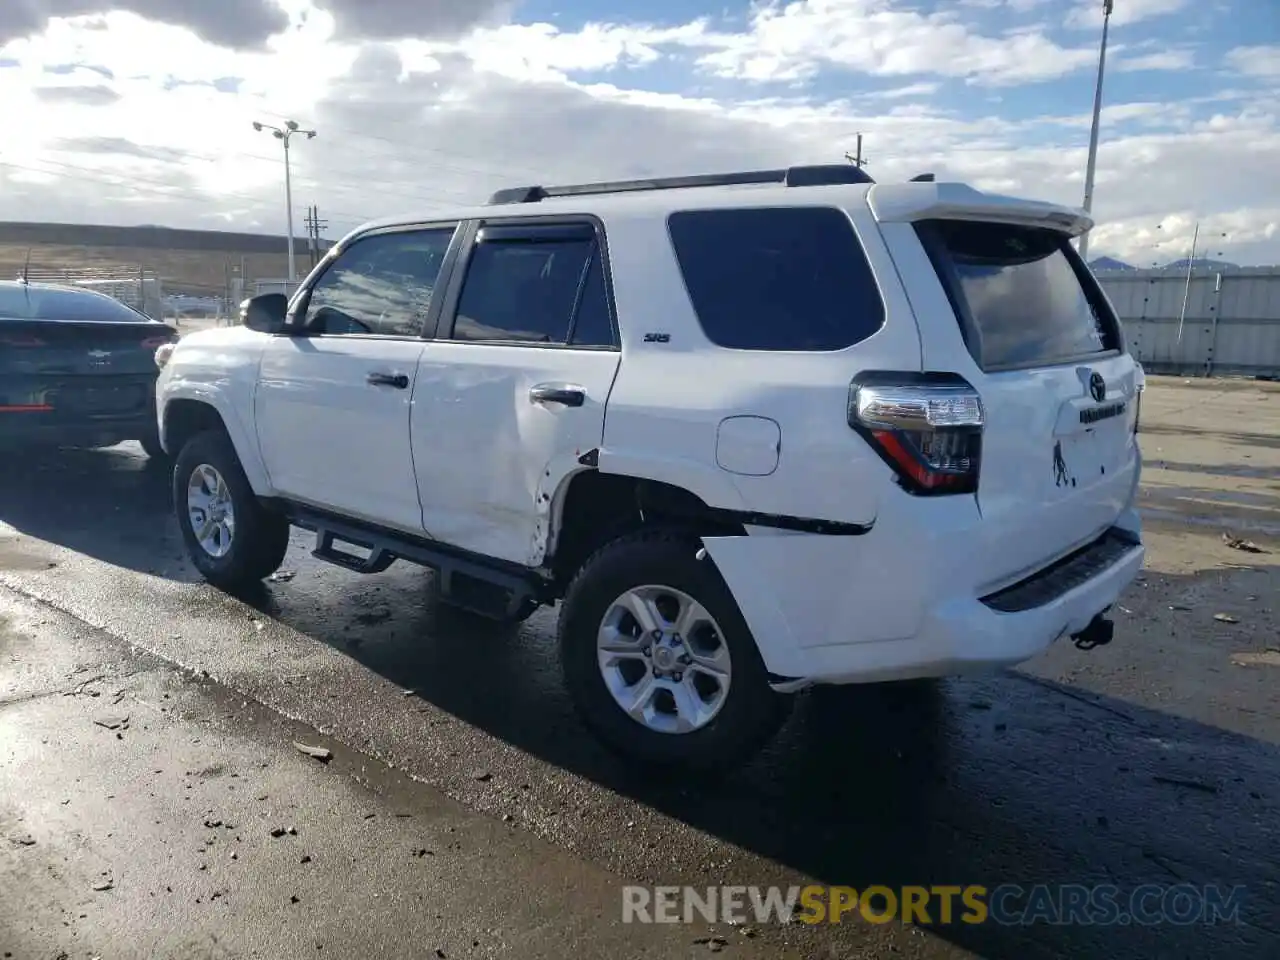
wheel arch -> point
(591, 508)
(186, 414)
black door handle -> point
(398, 380)
(563, 393)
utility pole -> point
(1091, 168)
(309, 220)
(314, 227)
(311, 234)
(857, 159)
(283, 135)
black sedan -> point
(77, 368)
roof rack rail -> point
(817, 175)
(923, 178)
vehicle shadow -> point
(1012, 779)
(112, 504)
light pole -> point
(283, 135)
(1191, 263)
(1097, 122)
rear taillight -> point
(20, 340)
(153, 343)
(928, 428)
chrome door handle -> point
(566, 394)
(398, 380)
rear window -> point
(20, 302)
(791, 278)
(1022, 296)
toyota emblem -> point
(1097, 387)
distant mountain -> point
(1202, 263)
(1104, 264)
(148, 237)
(1109, 263)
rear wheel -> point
(232, 539)
(659, 661)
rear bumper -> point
(830, 610)
(33, 429)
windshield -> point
(1020, 294)
(21, 302)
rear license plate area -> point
(99, 401)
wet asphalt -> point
(149, 813)
(1155, 760)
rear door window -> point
(1021, 294)
(782, 278)
(21, 302)
(535, 284)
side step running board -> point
(499, 592)
(379, 559)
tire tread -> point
(759, 715)
(261, 537)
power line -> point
(160, 188)
(363, 185)
(417, 150)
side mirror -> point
(265, 313)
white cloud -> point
(542, 51)
(426, 123)
(1088, 13)
(1161, 60)
(792, 41)
(1259, 61)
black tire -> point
(150, 442)
(261, 536)
(752, 711)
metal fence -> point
(137, 286)
(1224, 322)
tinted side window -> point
(792, 278)
(522, 290)
(592, 326)
(381, 284)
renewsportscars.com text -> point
(1007, 904)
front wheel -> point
(658, 660)
(231, 538)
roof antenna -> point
(26, 266)
(923, 178)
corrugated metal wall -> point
(1231, 327)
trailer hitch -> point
(1097, 634)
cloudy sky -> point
(141, 111)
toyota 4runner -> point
(749, 432)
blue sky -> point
(431, 101)
(1200, 34)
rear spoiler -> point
(909, 202)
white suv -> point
(750, 432)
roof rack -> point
(818, 175)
